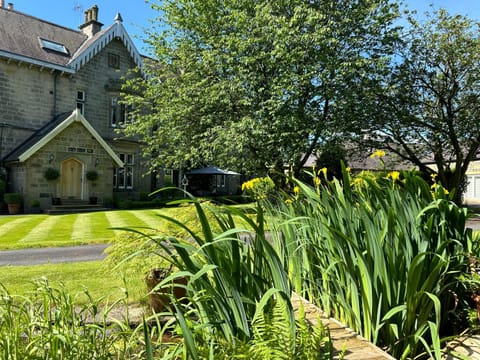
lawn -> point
(76, 278)
(26, 231)
(102, 279)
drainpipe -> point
(55, 76)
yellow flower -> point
(296, 190)
(348, 169)
(357, 181)
(316, 181)
(378, 153)
(394, 175)
(446, 192)
(288, 201)
(323, 170)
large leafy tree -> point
(429, 108)
(251, 84)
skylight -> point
(54, 46)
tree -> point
(253, 85)
(429, 108)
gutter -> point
(40, 63)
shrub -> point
(13, 198)
(259, 188)
(35, 203)
(51, 174)
(91, 175)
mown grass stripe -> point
(11, 230)
(82, 228)
(43, 230)
(118, 219)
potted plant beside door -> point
(14, 202)
(92, 176)
(52, 174)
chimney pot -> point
(91, 25)
(94, 11)
(10, 6)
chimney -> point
(10, 6)
(91, 25)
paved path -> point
(53, 255)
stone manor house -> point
(60, 108)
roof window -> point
(53, 46)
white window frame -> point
(221, 181)
(123, 177)
(81, 101)
(120, 113)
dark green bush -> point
(51, 174)
(91, 175)
(13, 198)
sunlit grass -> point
(76, 277)
(26, 231)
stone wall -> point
(75, 142)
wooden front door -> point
(71, 181)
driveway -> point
(53, 255)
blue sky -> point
(137, 13)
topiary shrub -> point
(91, 175)
(13, 198)
(51, 174)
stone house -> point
(60, 108)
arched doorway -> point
(71, 179)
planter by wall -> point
(160, 300)
(13, 208)
(13, 201)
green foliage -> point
(430, 102)
(331, 157)
(49, 325)
(91, 175)
(35, 203)
(51, 174)
(237, 289)
(272, 338)
(13, 198)
(259, 188)
(382, 254)
(251, 85)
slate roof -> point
(20, 36)
(21, 33)
(36, 137)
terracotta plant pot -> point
(13, 209)
(161, 299)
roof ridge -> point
(42, 20)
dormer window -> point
(53, 46)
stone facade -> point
(37, 93)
